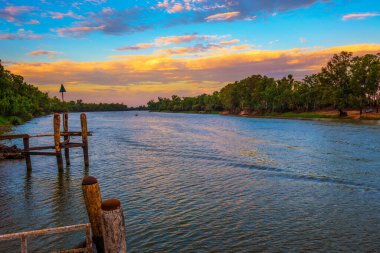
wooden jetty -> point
(28, 151)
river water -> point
(206, 183)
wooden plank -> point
(14, 136)
(62, 134)
(46, 231)
(39, 153)
(72, 145)
(42, 147)
(77, 250)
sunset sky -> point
(134, 51)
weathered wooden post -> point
(66, 138)
(57, 140)
(113, 226)
(93, 202)
(83, 121)
(27, 155)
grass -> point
(307, 115)
(370, 118)
(10, 120)
(190, 112)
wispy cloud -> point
(199, 48)
(78, 31)
(204, 10)
(223, 16)
(178, 39)
(229, 42)
(33, 22)
(43, 52)
(108, 21)
(21, 34)
(15, 13)
(139, 46)
(61, 15)
(359, 16)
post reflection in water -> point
(207, 183)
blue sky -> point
(133, 51)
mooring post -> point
(93, 202)
(83, 121)
(27, 155)
(66, 137)
(113, 226)
(57, 140)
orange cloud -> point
(134, 79)
(359, 15)
(229, 42)
(223, 16)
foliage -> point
(345, 82)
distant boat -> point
(136, 114)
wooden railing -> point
(48, 231)
(58, 145)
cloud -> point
(164, 41)
(78, 31)
(96, 2)
(33, 22)
(223, 16)
(43, 52)
(146, 77)
(188, 50)
(108, 21)
(229, 42)
(178, 39)
(15, 13)
(21, 34)
(227, 10)
(61, 15)
(359, 16)
(177, 7)
(139, 46)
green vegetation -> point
(20, 101)
(345, 82)
(305, 115)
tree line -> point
(24, 101)
(346, 81)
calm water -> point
(207, 183)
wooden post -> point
(24, 245)
(57, 140)
(83, 121)
(66, 138)
(113, 226)
(93, 201)
(27, 155)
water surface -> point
(207, 183)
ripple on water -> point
(207, 183)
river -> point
(206, 183)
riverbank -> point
(353, 116)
